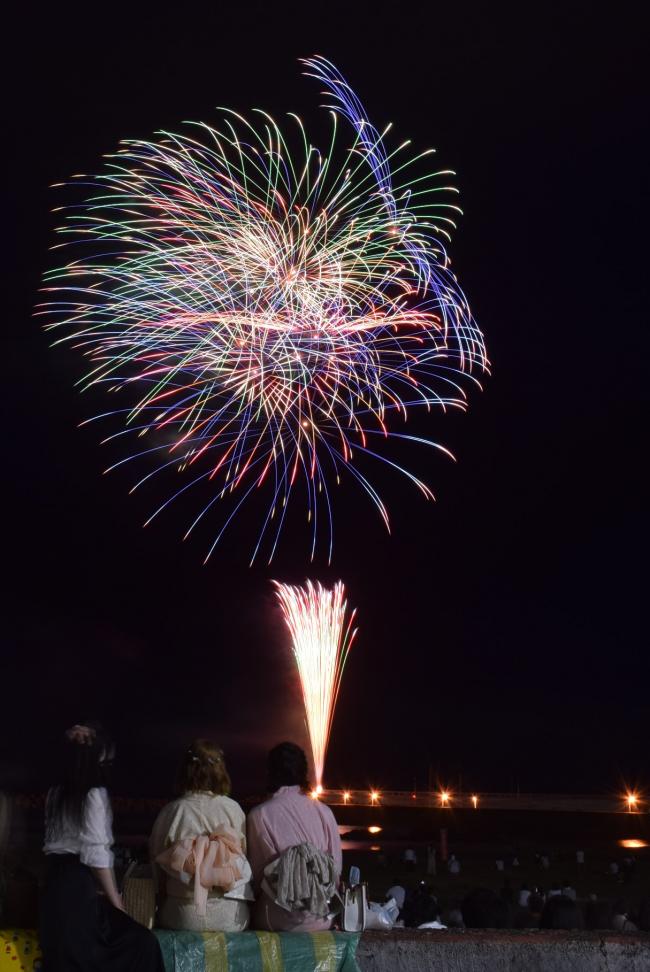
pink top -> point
(288, 818)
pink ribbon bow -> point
(212, 860)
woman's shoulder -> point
(170, 811)
(174, 819)
(257, 813)
(97, 796)
(230, 805)
(325, 811)
(97, 805)
(174, 804)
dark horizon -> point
(502, 628)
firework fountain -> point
(321, 637)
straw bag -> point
(139, 894)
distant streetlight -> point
(475, 801)
(374, 796)
(444, 798)
(632, 802)
(346, 796)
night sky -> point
(503, 629)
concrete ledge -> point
(503, 951)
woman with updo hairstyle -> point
(83, 925)
(204, 820)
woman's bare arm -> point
(106, 880)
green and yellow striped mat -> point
(258, 951)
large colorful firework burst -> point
(266, 315)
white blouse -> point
(92, 840)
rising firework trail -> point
(321, 637)
(265, 313)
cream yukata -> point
(191, 816)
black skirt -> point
(80, 931)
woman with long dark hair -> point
(83, 926)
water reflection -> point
(359, 845)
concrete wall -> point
(507, 951)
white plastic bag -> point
(391, 908)
(382, 917)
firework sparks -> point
(321, 637)
(266, 315)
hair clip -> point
(208, 759)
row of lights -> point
(375, 796)
(445, 797)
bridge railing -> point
(588, 802)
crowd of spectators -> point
(558, 908)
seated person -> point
(622, 920)
(83, 924)
(203, 827)
(599, 915)
(421, 907)
(291, 820)
(568, 891)
(561, 913)
(482, 908)
(530, 915)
